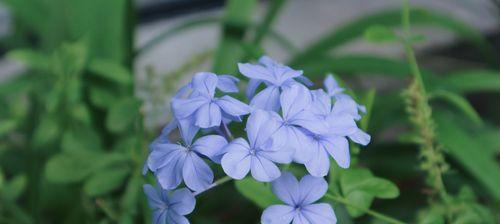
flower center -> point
(252, 152)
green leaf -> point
(110, 70)
(105, 181)
(360, 199)
(32, 59)
(257, 192)
(14, 188)
(238, 13)
(352, 179)
(81, 139)
(467, 149)
(459, 102)
(7, 126)
(70, 168)
(380, 34)
(473, 81)
(122, 115)
(102, 97)
(380, 188)
(47, 130)
(392, 18)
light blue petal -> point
(319, 213)
(286, 188)
(174, 218)
(187, 129)
(321, 103)
(154, 199)
(331, 86)
(278, 214)
(183, 91)
(212, 146)
(163, 154)
(252, 86)
(312, 189)
(346, 105)
(263, 169)
(227, 83)
(338, 148)
(319, 163)
(267, 61)
(293, 100)
(160, 217)
(196, 173)
(170, 175)
(341, 124)
(205, 83)
(260, 127)
(267, 99)
(182, 201)
(183, 108)
(256, 72)
(233, 106)
(209, 115)
(304, 80)
(277, 152)
(310, 122)
(236, 162)
(360, 137)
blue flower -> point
(299, 198)
(276, 76)
(170, 208)
(259, 154)
(335, 91)
(202, 108)
(296, 117)
(173, 162)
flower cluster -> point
(287, 122)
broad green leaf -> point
(473, 81)
(105, 181)
(123, 114)
(132, 195)
(467, 149)
(257, 192)
(392, 18)
(460, 102)
(360, 199)
(81, 113)
(380, 34)
(81, 139)
(380, 188)
(351, 179)
(102, 97)
(110, 70)
(46, 131)
(7, 126)
(32, 59)
(70, 168)
(14, 188)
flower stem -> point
(215, 184)
(226, 132)
(375, 214)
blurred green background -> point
(85, 86)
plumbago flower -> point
(169, 207)
(276, 76)
(205, 110)
(287, 123)
(299, 198)
(259, 154)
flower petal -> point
(163, 154)
(154, 199)
(309, 121)
(256, 72)
(188, 130)
(236, 162)
(341, 124)
(338, 148)
(321, 103)
(174, 218)
(360, 137)
(196, 173)
(260, 127)
(160, 217)
(312, 189)
(331, 85)
(319, 213)
(263, 169)
(170, 175)
(319, 164)
(293, 100)
(211, 146)
(183, 108)
(346, 105)
(205, 83)
(209, 115)
(277, 214)
(233, 106)
(182, 201)
(267, 99)
(227, 83)
(286, 188)
(252, 86)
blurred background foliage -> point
(73, 138)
